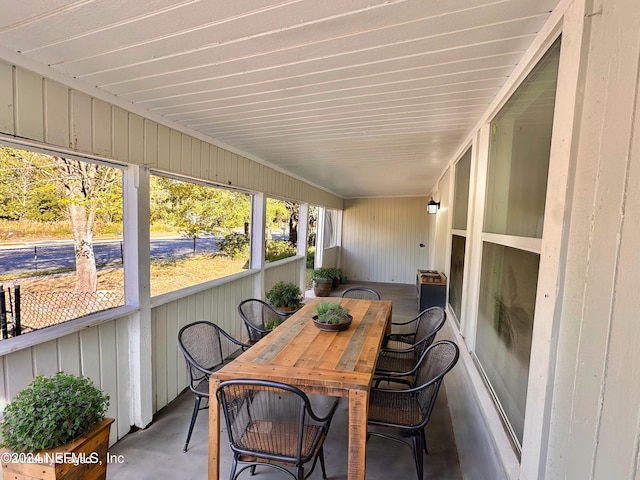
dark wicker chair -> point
(406, 411)
(273, 424)
(362, 293)
(400, 352)
(206, 347)
(259, 317)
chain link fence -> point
(22, 312)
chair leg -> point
(417, 453)
(234, 466)
(194, 415)
(321, 456)
(424, 441)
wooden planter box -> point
(82, 459)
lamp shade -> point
(432, 207)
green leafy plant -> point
(285, 294)
(235, 245)
(331, 313)
(334, 272)
(325, 273)
(279, 249)
(52, 411)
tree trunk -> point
(293, 228)
(82, 225)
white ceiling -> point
(361, 97)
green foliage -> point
(194, 208)
(331, 313)
(39, 187)
(334, 272)
(235, 245)
(285, 295)
(52, 411)
(43, 204)
(276, 212)
(323, 272)
(279, 249)
(311, 256)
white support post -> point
(257, 241)
(303, 233)
(320, 237)
(137, 292)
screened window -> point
(281, 229)
(61, 223)
(199, 233)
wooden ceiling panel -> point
(383, 91)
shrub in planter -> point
(331, 317)
(51, 414)
(285, 295)
(322, 280)
(331, 313)
(336, 274)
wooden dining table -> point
(297, 352)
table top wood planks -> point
(318, 362)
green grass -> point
(165, 276)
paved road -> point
(50, 256)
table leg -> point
(214, 431)
(358, 405)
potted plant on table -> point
(285, 297)
(331, 316)
(322, 280)
(55, 428)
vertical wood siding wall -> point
(381, 238)
(217, 305)
(595, 425)
(291, 271)
(100, 353)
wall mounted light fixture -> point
(433, 207)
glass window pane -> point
(505, 321)
(456, 274)
(461, 200)
(198, 233)
(519, 154)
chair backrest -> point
(270, 420)
(435, 363)
(259, 317)
(430, 321)
(361, 293)
(205, 347)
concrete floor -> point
(156, 452)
